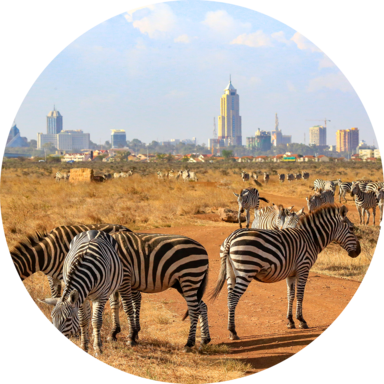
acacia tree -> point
(226, 153)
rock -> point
(229, 216)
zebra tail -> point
(200, 293)
(264, 199)
(257, 183)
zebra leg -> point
(126, 298)
(55, 286)
(248, 217)
(368, 215)
(97, 322)
(194, 312)
(359, 210)
(204, 327)
(374, 215)
(136, 300)
(115, 305)
(239, 217)
(301, 281)
(84, 317)
(291, 297)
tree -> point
(33, 144)
(226, 153)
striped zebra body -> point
(298, 176)
(380, 202)
(183, 174)
(61, 176)
(245, 176)
(192, 176)
(266, 177)
(92, 270)
(305, 175)
(290, 177)
(319, 184)
(344, 188)
(269, 256)
(153, 263)
(319, 199)
(330, 185)
(276, 217)
(364, 202)
(248, 199)
(374, 187)
(281, 177)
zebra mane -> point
(325, 210)
(31, 240)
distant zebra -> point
(266, 177)
(160, 175)
(271, 217)
(130, 173)
(298, 176)
(244, 176)
(247, 199)
(281, 177)
(290, 177)
(92, 269)
(116, 175)
(46, 252)
(255, 176)
(319, 199)
(305, 175)
(158, 262)
(192, 176)
(364, 202)
(344, 188)
(380, 202)
(61, 176)
(171, 173)
(269, 256)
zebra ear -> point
(73, 297)
(301, 212)
(343, 211)
(290, 208)
(236, 194)
(50, 301)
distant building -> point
(261, 141)
(65, 140)
(54, 122)
(318, 135)
(277, 137)
(229, 121)
(118, 138)
(347, 140)
(14, 138)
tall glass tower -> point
(229, 121)
(54, 122)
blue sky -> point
(159, 72)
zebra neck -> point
(320, 234)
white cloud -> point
(256, 39)
(184, 39)
(333, 81)
(280, 37)
(326, 62)
(160, 20)
(223, 23)
(303, 43)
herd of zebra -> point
(282, 176)
(186, 175)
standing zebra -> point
(305, 175)
(281, 177)
(46, 252)
(364, 202)
(290, 177)
(324, 185)
(344, 188)
(247, 199)
(192, 176)
(266, 177)
(255, 176)
(319, 199)
(61, 176)
(244, 176)
(92, 269)
(153, 263)
(271, 217)
(298, 176)
(271, 256)
(374, 187)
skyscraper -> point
(347, 140)
(118, 138)
(318, 135)
(54, 122)
(229, 121)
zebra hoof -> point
(112, 338)
(291, 326)
(131, 343)
(187, 349)
(303, 325)
(205, 341)
(233, 337)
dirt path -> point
(261, 312)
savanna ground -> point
(32, 201)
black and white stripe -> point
(153, 263)
(245, 176)
(364, 202)
(344, 188)
(271, 217)
(319, 199)
(92, 270)
(374, 186)
(270, 256)
(248, 199)
(61, 176)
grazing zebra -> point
(271, 217)
(364, 202)
(305, 175)
(156, 262)
(192, 176)
(298, 176)
(92, 269)
(61, 176)
(290, 177)
(266, 177)
(46, 252)
(247, 199)
(281, 177)
(244, 176)
(269, 256)
(380, 202)
(374, 187)
(319, 199)
(255, 176)
(344, 188)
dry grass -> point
(33, 201)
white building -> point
(65, 140)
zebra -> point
(374, 186)
(380, 202)
(46, 252)
(266, 177)
(269, 256)
(130, 173)
(254, 176)
(330, 185)
(364, 202)
(247, 199)
(292, 218)
(92, 269)
(324, 185)
(298, 176)
(155, 262)
(160, 175)
(271, 217)
(319, 199)
(192, 176)
(116, 175)
(281, 177)
(344, 188)
(245, 176)
(171, 173)
(290, 177)
(61, 176)
(305, 175)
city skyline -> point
(149, 71)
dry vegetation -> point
(32, 201)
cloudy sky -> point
(159, 72)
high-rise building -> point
(229, 121)
(54, 122)
(347, 140)
(14, 138)
(277, 136)
(318, 135)
(65, 140)
(118, 138)
(261, 141)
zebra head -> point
(65, 314)
(293, 218)
(354, 188)
(281, 215)
(344, 233)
